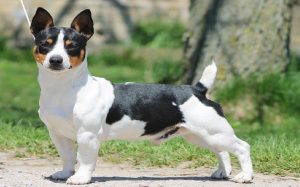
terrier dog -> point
(76, 106)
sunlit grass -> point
(275, 153)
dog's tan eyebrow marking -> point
(68, 42)
(50, 41)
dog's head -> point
(58, 48)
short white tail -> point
(209, 75)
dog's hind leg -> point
(66, 150)
(242, 150)
(224, 168)
(228, 142)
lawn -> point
(275, 146)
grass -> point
(273, 151)
(275, 145)
(19, 92)
(25, 139)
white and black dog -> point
(76, 106)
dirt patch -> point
(34, 172)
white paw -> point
(61, 175)
(243, 177)
(220, 174)
(79, 179)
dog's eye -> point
(46, 43)
(74, 45)
(71, 44)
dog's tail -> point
(208, 77)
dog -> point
(78, 107)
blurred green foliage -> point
(166, 71)
(112, 58)
(3, 41)
(158, 34)
(279, 92)
(13, 54)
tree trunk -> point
(243, 36)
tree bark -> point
(243, 36)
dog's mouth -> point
(56, 67)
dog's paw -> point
(243, 177)
(220, 174)
(79, 179)
(61, 175)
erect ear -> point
(40, 21)
(83, 23)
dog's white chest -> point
(59, 121)
(66, 109)
(56, 111)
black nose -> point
(56, 60)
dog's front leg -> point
(66, 150)
(88, 145)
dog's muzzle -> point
(56, 62)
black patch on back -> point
(151, 103)
(41, 39)
(154, 104)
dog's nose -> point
(56, 60)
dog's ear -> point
(83, 23)
(40, 21)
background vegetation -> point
(264, 111)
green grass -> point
(273, 151)
(19, 92)
(25, 139)
(275, 147)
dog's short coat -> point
(76, 106)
